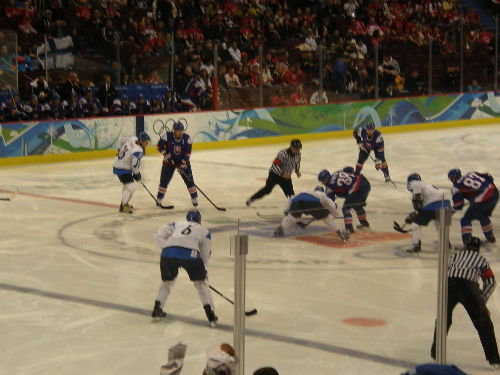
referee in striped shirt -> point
(464, 270)
(286, 162)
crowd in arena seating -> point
(291, 32)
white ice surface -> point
(78, 281)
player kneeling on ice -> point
(354, 188)
(185, 244)
(312, 203)
(478, 188)
(426, 200)
(127, 166)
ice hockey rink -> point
(78, 279)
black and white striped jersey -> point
(285, 162)
(470, 265)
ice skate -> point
(249, 202)
(415, 249)
(364, 225)
(387, 178)
(278, 232)
(344, 235)
(158, 313)
(126, 208)
(349, 228)
(212, 318)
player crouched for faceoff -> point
(478, 188)
(176, 149)
(127, 166)
(312, 203)
(185, 244)
(426, 200)
(284, 164)
(368, 139)
(353, 188)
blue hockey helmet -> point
(178, 126)
(194, 216)
(371, 126)
(144, 137)
(323, 175)
(319, 188)
(454, 174)
(348, 169)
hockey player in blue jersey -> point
(354, 188)
(479, 189)
(176, 149)
(368, 139)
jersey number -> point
(187, 230)
(473, 181)
(122, 152)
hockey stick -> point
(371, 157)
(181, 172)
(400, 229)
(4, 199)
(152, 196)
(247, 313)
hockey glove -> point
(136, 176)
(167, 157)
(417, 202)
(362, 147)
(183, 164)
(411, 218)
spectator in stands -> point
(279, 98)
(298, 97)
(169, 102)
(350, 8)
(232, 80)
(293, 75)
(24, 61)
(414, 84)
(155, 78)
(106, 92)
(319, 95)
(33, 109)
(143, 106)
(339, 74)
(74, 108)
(90, 104)
(70, 87)
(235, 52)
(388, 71)
(388, 91)
(474, 86)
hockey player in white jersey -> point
(426, 200)
(127, 166)
(306, 207)
(185, 244)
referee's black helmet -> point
(473, 243)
